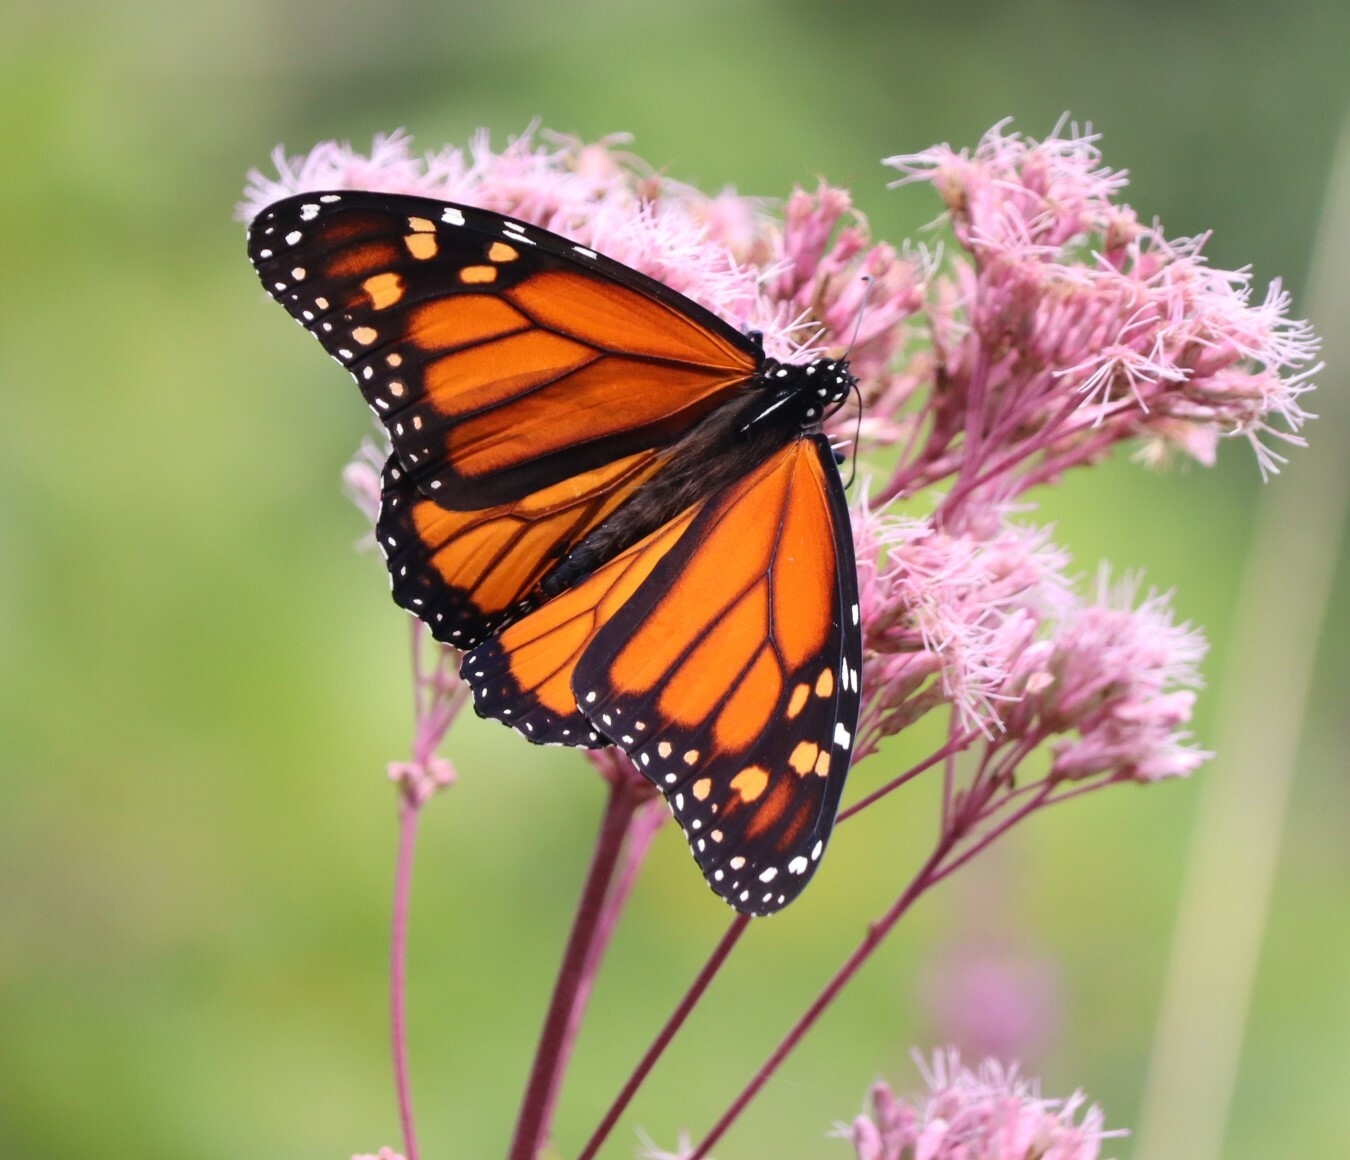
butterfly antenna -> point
(862, 310)
(857, 390)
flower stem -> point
(410, 810)
(666, 1034)
(572, 985)
(876, 933)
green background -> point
(200, 682)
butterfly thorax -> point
(797, 396)
(785, 402)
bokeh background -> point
(200, 681)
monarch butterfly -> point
(620, 507)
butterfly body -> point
(623, 511)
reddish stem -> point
(716, 960)
(952, 747)
(973, 446)
(409, 812)
(641, 830)
(875, 935)
(666, 1034)
(536, 1109)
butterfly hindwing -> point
(523, 676)
(467, 573)
(731, 676)
(501, 358)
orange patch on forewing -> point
(478, 275)
(823, 764)
(797, 702)
(561, 393)
(804, 757)
(601, 311)
(701, 788)
(361, 260)
(501, 252)
(825, 683)
(383, 290)
(421, 246)
(462, 319)
(422, 225)
(750, 782)
(365, 335)
(649, 552)
(803, 575)
(492, 375)
(790, 831)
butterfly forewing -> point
(502, 359)
(731, 676)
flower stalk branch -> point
(580, 960)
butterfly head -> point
(831, 380)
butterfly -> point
(623, 511)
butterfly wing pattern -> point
(609, 497)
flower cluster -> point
(1065, 326)
(990, 1113)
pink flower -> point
(361, 480)
(1121, 678)
(987, 1114)
(1069, 326)
(954, 608)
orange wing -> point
(502, 359)
(523, 675)
(467, 573)
(722, 654)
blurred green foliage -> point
(200, 683)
